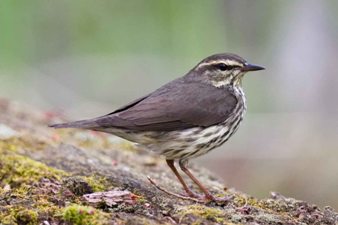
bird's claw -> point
(210, 198)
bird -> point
(185, 118)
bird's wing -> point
(129, 105)
(177, 105)
(93, 123)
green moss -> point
(19, 215)
(204, 212)
(97, 183)
(78, 215)
(26, 216)
(36, 190)
(141, 200)
(81, 185)
(274, 205)
(7, 219)
(17, 170)
(22, 142)
(77, 185)
(31, 185)
(241, 200)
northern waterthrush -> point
(185, 118)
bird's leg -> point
(190, 193)
(183, 164)
(208, 195)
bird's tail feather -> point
(82, 124)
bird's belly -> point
(198, 143)
(191, 143)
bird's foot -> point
(195, 198)
(219, 200)
(190, 195)
(209, 198)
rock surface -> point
(52, 176)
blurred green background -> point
(85, 58)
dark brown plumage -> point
(185, 118)
(177, 105)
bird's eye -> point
(223, 67)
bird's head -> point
(223, 69)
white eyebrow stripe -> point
(227, 62)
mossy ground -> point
(20, 176)
(79, 214)
(200, 213)
(31, 191)
(45, 173)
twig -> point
(174, 194)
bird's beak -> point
(252, 67)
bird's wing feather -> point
(93, 123)
(177, 105)
(131, 104)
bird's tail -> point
(82, 124)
